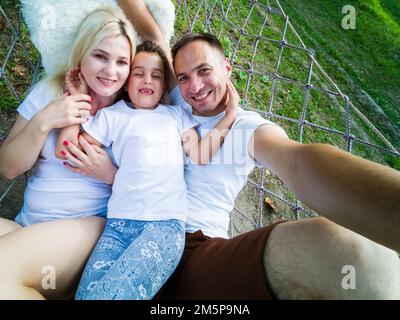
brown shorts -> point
(217, 268)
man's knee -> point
(316, 258)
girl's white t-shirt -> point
(149, 184)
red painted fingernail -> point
(79, 136)
(65, 163)
(63, 152)
(65, 143)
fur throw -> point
(53, 24)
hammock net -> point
(275, 73)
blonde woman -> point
(62, 214)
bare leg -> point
(305, 259)
(7, 226)
(62, 246)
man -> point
(304, 259)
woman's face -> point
(146, 82)
(107, 66)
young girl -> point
(144, 236)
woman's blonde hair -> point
(99, 24)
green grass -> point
(365, 59)
(19, 65)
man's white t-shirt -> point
(54, 192)
(149, 184)
(213, 188)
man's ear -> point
(228, 67)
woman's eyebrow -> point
(106, 53)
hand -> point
(76, 82)
(94, 161)
(232, 100)
(64, 111)
(71, 134)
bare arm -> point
(148, 29)
(76, 84)
(202, 150)
(356, 193)
(142, 20)
(66, 134)
(20, 151)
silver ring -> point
(80, 113)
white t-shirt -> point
(213, 188)
(146, 144)
(53, 191)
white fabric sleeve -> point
(100, 126)
(37, 99)
(248, 126)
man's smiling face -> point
(202, 73)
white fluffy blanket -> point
(53, 24)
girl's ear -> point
(228, 67)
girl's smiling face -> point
(146, 81)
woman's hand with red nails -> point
(93, 161)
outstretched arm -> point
(148, 29)
(356, 193)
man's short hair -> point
(189, 38)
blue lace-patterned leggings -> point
(132, 260)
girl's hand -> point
(232, 100)
(94, 161)
(64, 111)
(76, 82)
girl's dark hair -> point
(151, 47)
